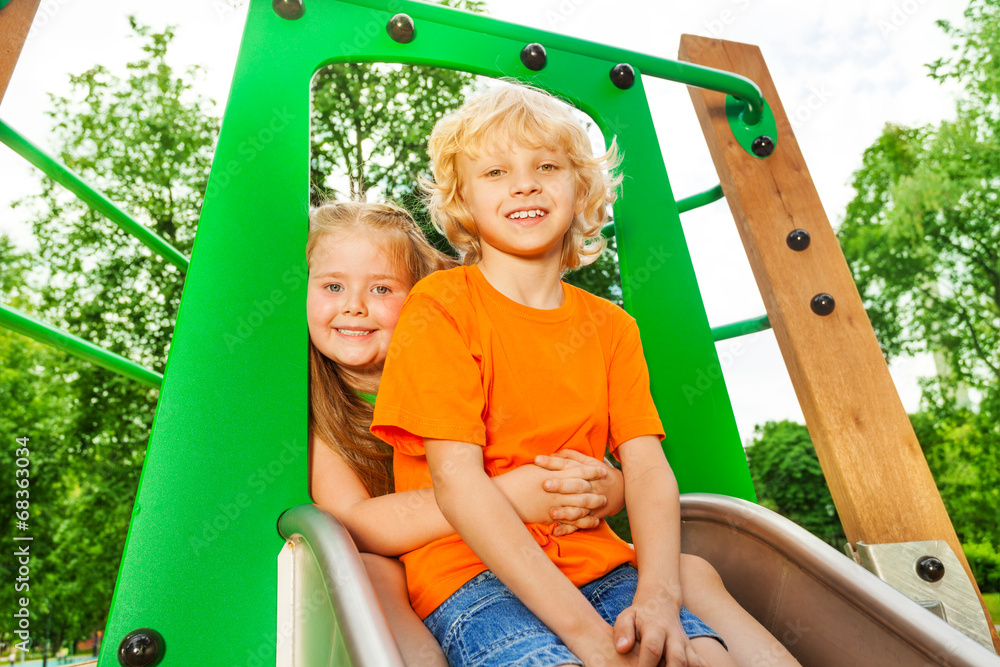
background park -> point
(918, 224)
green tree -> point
(32, 417)
(961, 450)
(922, 237)
(788, 479)
(146, 142)
(922, 234)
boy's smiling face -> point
(522, 199)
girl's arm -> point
(466, 496)
(396, 523)
(654, 515)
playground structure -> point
(220, 470)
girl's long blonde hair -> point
(337, 415)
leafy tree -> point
(146, 142)
(788, 479)
(962, 453)
(32, 407)
(922, 235)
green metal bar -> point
(89, 196)
(741, 328)
(53, 337)
(608, 230)
(689, 74)
(683, 206)
(700, 199)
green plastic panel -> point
(228, 450)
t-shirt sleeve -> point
(431, 385)
(631, 409)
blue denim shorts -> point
(483, 624)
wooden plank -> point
(15, 21)
(873, 464)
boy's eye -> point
(381, 290)
(334, 287)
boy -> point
(499, 361)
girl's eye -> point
(547, 167)
(381, 290)
(493, 173)
(334, 287)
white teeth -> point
(352, 332)
(520, 215)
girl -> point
(363, 259)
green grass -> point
(993, 604)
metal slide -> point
(826, 608)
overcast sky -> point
(843, 70)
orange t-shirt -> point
(468, 364)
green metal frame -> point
(228, 451)
(26, 325)
(94, 199)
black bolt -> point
(288, 9)
(533, 56)
(798, 240)
(762, 146)
(623, 76)
(141, 648)
(401, 28)
(822, 304)
(930, 569)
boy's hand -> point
(660, 635)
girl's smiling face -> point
(353, 303)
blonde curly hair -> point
(527, 117)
